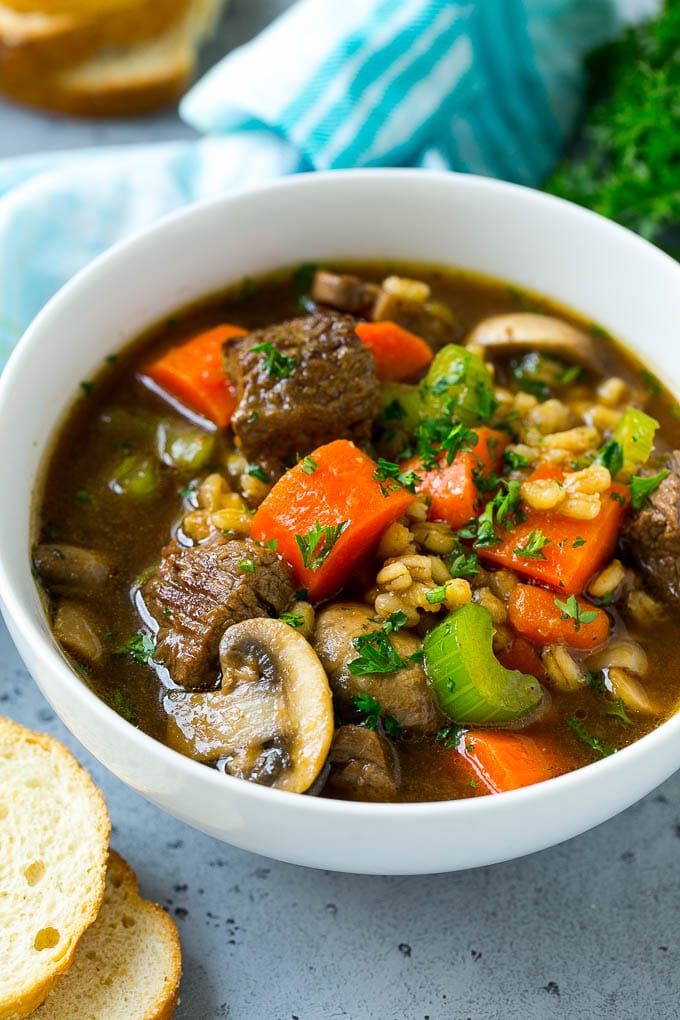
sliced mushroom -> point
(404, 694)
(340, 290)
(522, 331)
(77, 630)
(272, 720)
(363, 765)
(70, 569)
(622, 664)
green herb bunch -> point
(627, 163)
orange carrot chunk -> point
(575, 549)
(506, 761)
(326, 514)
(452, 488)
(398, 353)
(522, 655)
(194, 374)
(535, 614)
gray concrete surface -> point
(589, 929)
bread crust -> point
(51, 756)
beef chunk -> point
(363, 766)
(313, 383)
(653, 534)
(198, 592)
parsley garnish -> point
(292, 619)
(392, 478)
(450, 736)
(247, 566)
(578, 542)
(570, 375)
(465, 565)
(611, 457)
(315, 547)
(617, 708)
(593, 742)
(248, 287)
(436, 595)
(257, 472)
(87, 387)
(533, 546)
(277, 365)
(437, 437)
(373, 712)
(618, 498)
(652, 384)
(304, 275)
(272, 543)
(503, 508)
(394, 622)
(377, 654)
(641, 488)
(186, 493)
(515, 460)
(123, 707)
(83, 496)
(140, 646)
(394, 411)
(571, 610)
(308, 465)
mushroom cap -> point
(519, 331)
(272, 719)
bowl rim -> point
(22, 617)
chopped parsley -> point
(272, 544)
(308, 465)
(392, 478)
(83, 496)
(465, 565)
(247, 566)
(304, 275)
(440, 437)
(594, 743)
(570, 375)
(87, 387)
(253, 416)
(123, 707)
(450, 736)
(394, 622)
(373, 713)
(111, 359)
(617, 708)
(578, 542)
(394, 411)
(377, 654)
(515, 460)
(316, 546)
(292, 619)
(618, 498)
(571, 610)
(186, 493)
(504, 508)
(611, 457)
(652, 384)
(257, 472)
(248, 287)
(436, 595)
(139, 646)
(533, 546)
(277, 365)
(641, 488)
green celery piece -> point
(458, 381)
(187, 449)
(137, 476)
(635, 435)
(471, 685)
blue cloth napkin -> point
(486, 86)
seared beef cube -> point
(363, 765)
(653, 534)
(198, 592)
(301, 384)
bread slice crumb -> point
(128, 964)
(54, 836)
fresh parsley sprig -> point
(315, 547)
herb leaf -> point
(140, 646)
(533, 546)
(594, 743)
(315, 547)
(277, 365)
(308, 465)
(450, 736)
(571, 609)
(292, 619)
(392, 478)
(377, 654)
(642, 487)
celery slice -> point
(137, 476)
(635, 435)
(471, 685)
(184, 448)
(458, 383)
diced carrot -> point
(535, 615)
(451, 487)
(333, 488)
(522, 655)
(398, 353)
(576, 549)
(506, 761)
(193, 373)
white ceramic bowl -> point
(507, 232)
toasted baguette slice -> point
(33, 45)
(126, 80)
(54, 836)
(128, 963)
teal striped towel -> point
(485, 86)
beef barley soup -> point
(371, 532)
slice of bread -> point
(128, 963)
(54, 836)
(36, 44)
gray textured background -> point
(587, 929)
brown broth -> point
(76, 506)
